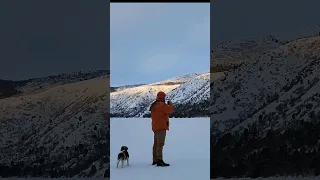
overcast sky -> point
(40, 38)
(234, 19)
(151, 42)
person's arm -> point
(167, 108)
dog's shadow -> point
(125, 166)
(134, 166)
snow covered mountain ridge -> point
(232, 53)
(265, 113)
(60, 131)
(265, 82)
(189, 93)
(9, 88)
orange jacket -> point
(160, 115)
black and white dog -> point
(123, 156)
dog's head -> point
(124, 148)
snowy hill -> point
(125, 87)
(60, 131)
(9, 88)
(188, 92)
(186, 150)
(286, 76)
(232, 53)
(274, 95)
(193, 91)
(177, 80)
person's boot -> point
(162, 163)
(154, 163)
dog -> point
(123, 156)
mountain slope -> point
(129, 102)
(192, 91)
(232, 53)
(266, 113)
(177, 80)
(266, 81)
(9, 88)
(188, 93)
(58, 132)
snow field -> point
(187, 149)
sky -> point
(151, 42)
(284, 19)
(40, 38)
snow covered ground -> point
(187, 149)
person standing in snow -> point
(160, 124)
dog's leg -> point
(122, 162)
(118, 163)
(128, 162)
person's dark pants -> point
(158, 143)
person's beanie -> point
(161, 96)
